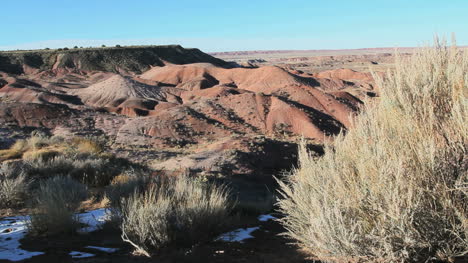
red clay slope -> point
(196, 103)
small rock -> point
(8, 230)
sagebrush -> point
(55, 204)
(82, 158)
(14, 185)
(174, 210)
(123, 186)
(394, 188)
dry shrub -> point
(43, 169)
(88, 145)
(13, 185)
(123, 186)
(56, 201)
(37, 141)
(395, 187)
(174, 210)
(43, 154)
(92, 170)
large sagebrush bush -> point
(174, 210)
(55, 204)
(394, 188)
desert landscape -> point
(193, 111)
(170, 111)
(165, 153)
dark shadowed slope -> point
(124, 59)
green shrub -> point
(174, 210)
(394, 188)
(55, 203)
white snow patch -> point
(237, 235)
(103, 249)
(93, 219)
(12, 230)
(77, 254)
(264, 218)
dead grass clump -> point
(9, 154)
(121, 179)
(36, 142)
(40, 146)
(88, 145)
(13, 185)
(174, 210)
(19, 146)
(55, 203)
(15, 151)
(394, 188)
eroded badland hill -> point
(178, 109)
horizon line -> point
(219, 52)
(223, 44)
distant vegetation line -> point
(88, 48)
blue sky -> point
(222, 25)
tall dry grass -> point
(42, 147)
(395, 187)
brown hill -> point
(253, 79)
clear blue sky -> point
(222, 25)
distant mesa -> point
(126, 59)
